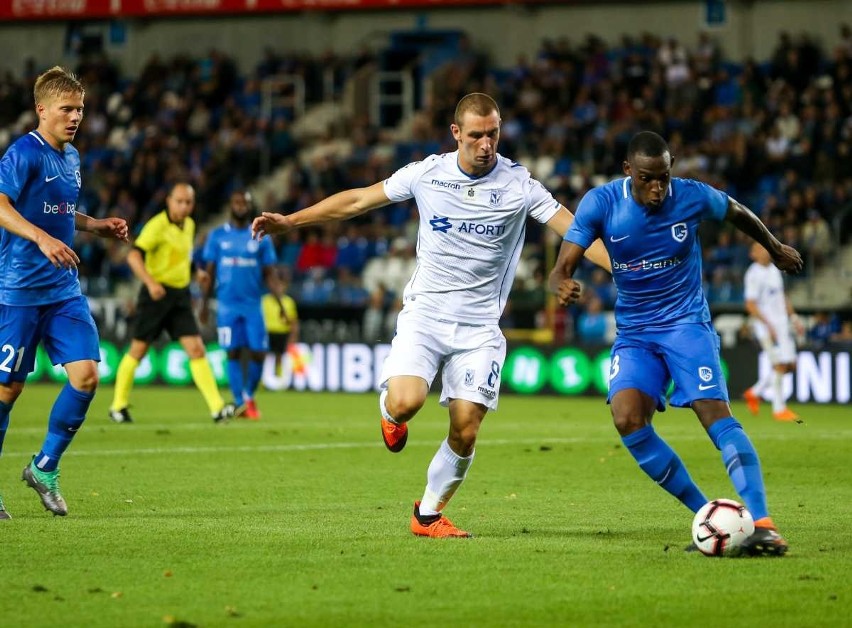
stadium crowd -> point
(775, 133)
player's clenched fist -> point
(270, 223)
(568, 291)
(788, 259)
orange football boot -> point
(251, 413)
(752, 401)
(395, 435)
(765, 541)
(785, 415)
(435, 526)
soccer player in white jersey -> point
(772, 321)
(473, 206)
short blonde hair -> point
(55, 82)
(477, 103)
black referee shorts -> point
(172, 314)
(278, 343)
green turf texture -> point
(301, 519)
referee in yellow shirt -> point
(162, 260)
(282, 323)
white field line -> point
(485, 442)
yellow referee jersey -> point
(275, 323)
(168, 250)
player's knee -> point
(85, 380)
(462, 440)
(194, 348)
(628, 422)
(11, 391)
(403, 404)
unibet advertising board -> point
(822, 376)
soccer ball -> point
(721, 526)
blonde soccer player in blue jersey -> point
(40, 298)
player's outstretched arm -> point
(60, 254)
(340, 206)
(784, 257)
(566, 289)
(597, 253)
(110, 227)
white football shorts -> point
(472, 356)
(783, 351)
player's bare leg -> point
(9, 393)
(398, 403)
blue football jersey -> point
(656, 254)
(239, 264)
(43, 184)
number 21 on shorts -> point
(7, 356)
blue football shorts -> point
(649, 360)
(241, 327)
(66, 329)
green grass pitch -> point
(301, 519)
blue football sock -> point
(255, 371)
(663, 465)
(742, 464)
(66, 417)
(235, 379)
(5, 409)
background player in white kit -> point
(473, 205)
(772, 319)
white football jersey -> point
(470, 236)
(765, 286)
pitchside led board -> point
(822, 376)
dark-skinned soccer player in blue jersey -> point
(649, 222)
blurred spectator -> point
(592, 322)
(825, 325)
(384, 280)
(844, 336)
(318, 251)
(527, 301)
(816, 238)
(603, 287)
(352, 250)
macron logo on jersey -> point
(62, 208)
(441, 223)
(446, 184)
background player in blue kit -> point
(243, 270)
(40, 297)
(649, 224)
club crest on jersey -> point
(705, 373)
(252, 246)
(496, 198)
(468, 378)
(679, 231)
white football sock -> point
(764, 383)
(446, 473)
(383, 409)
(778, 401)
